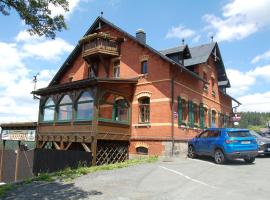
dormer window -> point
(144, 67)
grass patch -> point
(5, 188)
(69, 174)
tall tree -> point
(37, 15)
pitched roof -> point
(200, 54)
(94, 26)
(83, 84)
(173, 50)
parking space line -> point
(187, 177)
(202, 161)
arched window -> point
(121, 110)
(48, 110)
(84, 109)
(65, 109)
(142, 150)
(144, 110)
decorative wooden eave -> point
(19, 125)
(82, 84)
(93, 36)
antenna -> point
(35, 84)
(183, 41)
(101, 13)
(212, 38)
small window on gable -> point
(213, 81)
(116, 69)
(144, 67)
(205, 76)
(142, 150)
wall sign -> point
(22, 135)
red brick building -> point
(115, 88)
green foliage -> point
(254, 120)
(69, 174)
(37, 15)
(5, 188)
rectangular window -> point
(91, 70)
(144, 110)
(116, 69)
(144, 68)
(85, 110)
(65, 113)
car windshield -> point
(239, 134)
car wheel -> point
(191, 152)
(219, 157)
(249, 160)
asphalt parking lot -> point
(182, 178)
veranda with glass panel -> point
(85, 112)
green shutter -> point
(180, 111)
(209, 118)
(114, 114)
(190, 114)
(201, 116)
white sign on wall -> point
(22, 135)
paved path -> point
(183, 178)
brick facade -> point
(157, 135)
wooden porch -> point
(108, 122)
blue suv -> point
(223, 144)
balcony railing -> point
(99, 43)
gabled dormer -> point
(178, 54)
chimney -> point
(141, 36)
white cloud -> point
(16, 77)
(259, 102)
(24, 36)
(180, 32)
(240, 18)
(261, 72)
(41, 47)
(47, 49)
(73, 4)
(240, 82)
(264, 56)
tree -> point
(37, 15)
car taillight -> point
(231, 141)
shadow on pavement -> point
(49, 191)
(229, 162)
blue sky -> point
(241, 27)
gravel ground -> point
(180, 179)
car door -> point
(201, 143)
(212, 140)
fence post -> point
(2, 161)
(17, 162)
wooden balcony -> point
(99, 44)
